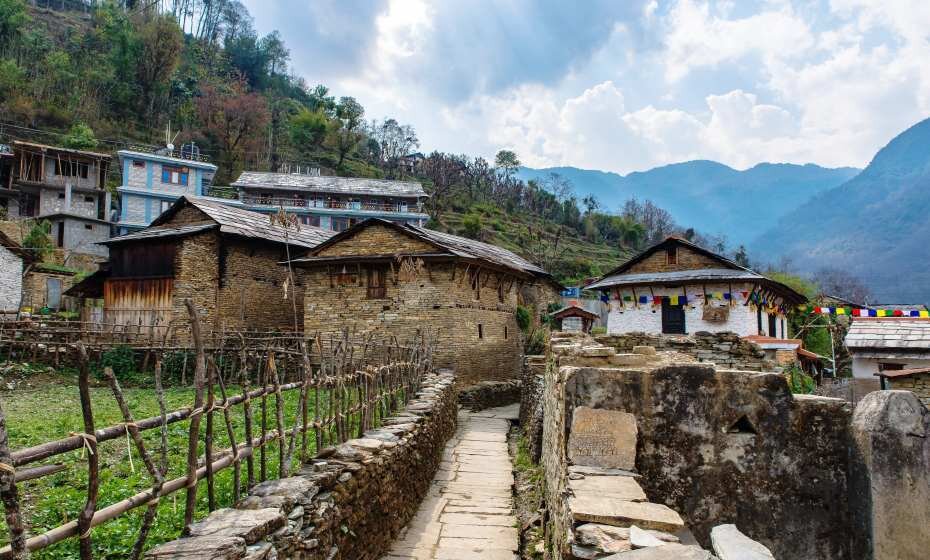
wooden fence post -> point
(9, 496)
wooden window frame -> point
(671, 256)
(480, 331)
(376, 291)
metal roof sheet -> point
(337, 185)
(245, 223)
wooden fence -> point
(344, 386)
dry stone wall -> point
(490, 394)
(348, 503)
(725, 349)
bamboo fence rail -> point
(352, 383)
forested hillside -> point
(122, 73)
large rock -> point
(200, 548)
(252, 525)
(642, 538)
(603, 538)
(602, 438)
(730, 544)
(623, 488)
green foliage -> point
(38, 240)
(524, 318)
(471, 226)
(13, 19)
(798, 381)
(308, 130)
(80, 137)
(598, 330)
(536, 342)
(121, 359)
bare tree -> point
(842, 283)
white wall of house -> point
(866, 368)
(743, 319)
(11, 280)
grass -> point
(53, 411)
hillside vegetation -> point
(112, 76)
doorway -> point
(673, 318)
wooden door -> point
(773, 326)
(673, 318)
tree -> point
(162, 43)
(395, 140)
(80, 137)
(740, 257)
(841, 283)
(308, 131)
(657, 222)
(471, 225)
(347, 133)
(507, 162)
(38, 240)
(235, 120)
(13, 19)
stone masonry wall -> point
(490, 394)
(11, 280)
(349, 503)
(477, 333)
(725, 349)
(919, 384)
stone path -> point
(468, 513)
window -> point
(88, 226)
(89, 199)
(60, 241)
(311, 220)
(500, 291)
(376, 285)
(476, 283)
(137, 163)
(174, 175)
(340, 224)
(347, 276)
(61, 196)
(480, 331)
(884, 366)
(64, 168)
(671, 255)
(506, 333)
(163, 206)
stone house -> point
(13, 259)
(65, 187)
(881, 347)
(152, 182)
(45, 286)
(224, 259)
(677, 287)
(400, 279)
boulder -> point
(667, 552)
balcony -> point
(357, 206)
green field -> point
(51, 411)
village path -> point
(468, 512)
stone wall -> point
(477, 333)
(726, 349)
(11, 280)
(490, 394)
(349, 503)
(918, 383)
(531, 403)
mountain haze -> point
(877, 225)
(709, 196)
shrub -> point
(598, 330)
(798, 381)
(524, 318)
(471, 226)
(536, 342)
(121, 360)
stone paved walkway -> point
(468, 513)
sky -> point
(623, 85)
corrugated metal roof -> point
(705, 274)
(245, 223)
(337, 185)
(45, 147)
(160, 233)
(913, 334)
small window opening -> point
(500, 292)
(89, 199)
(61, 196)
(671, 255)
(480, 331)
(742, 426)
(88, 226)
(506, 333)
(138, 164)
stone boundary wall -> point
(531, 403)
(725, 349)
(348, 503)
(490, 394)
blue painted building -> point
(334, 203)
(153, 181)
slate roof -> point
(15, 248)
(335, 185)
(890, 334)
(574, 311)
(449, 244)
(160, 233)
(245, 223)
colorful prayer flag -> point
(727, 295)
(643, 299)
(673, 300)
(841, 311)
(925, 314)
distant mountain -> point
(707, 195)
(877, 225)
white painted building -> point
(887, 344)
(11, 274)
(676, 287)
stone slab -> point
(622, 488)
(596, 509)
(667, 552)
(252, 525)
(218, 547)
(602, 438)
(731, 544)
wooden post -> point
(194, 431)
(93, 467)
(208, 438)
(10, 497)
